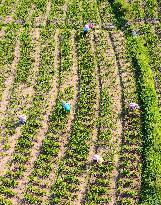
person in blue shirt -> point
(87, 27)
(66, 106)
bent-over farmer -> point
(87, 27)
(22, 119)
(133, 106)
(66, 106)
(97, 158)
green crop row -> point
(105, 14)
(4, 201)
(152, 43)
(90, 11)
(151, 9)
(39, 10)
(25, 62)
(22, 10)
(137, 10)
(74, 19)
(56, 17)
(7, 7)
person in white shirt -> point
(97, 158)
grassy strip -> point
(152, 124)
(151, 191)
(152, 41)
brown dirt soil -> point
(30, 13)
(8, 19)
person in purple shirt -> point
(133, 106)
(22, 119)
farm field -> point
(44, 59)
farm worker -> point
(22, 119)
(87, 27)
(66, 106)
(133, 106)
(97, 158)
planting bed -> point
(45, 58)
